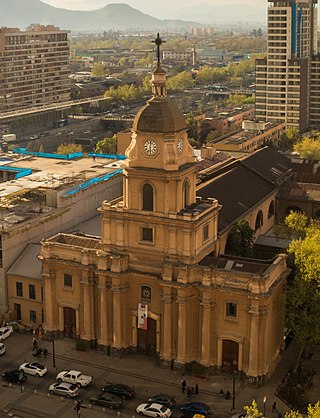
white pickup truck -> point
(75, 377)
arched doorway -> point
(147, 339)
(230, 355)
(69, 324)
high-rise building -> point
(34, 67)
(287, 79)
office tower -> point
(34, 67)
(286, 79)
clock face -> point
(150, 147)
(180, 145)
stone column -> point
(104, 317)
(167, 326)
(118, 319)
(206, 332)
(254, 339)
(182, 330)
(88, 304)
(49, 301)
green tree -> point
(289, 138)
(68, 148)
(240, 99)
(180, 81)
(98, 70)
(240, 240)
(107, 145)
(309, 148)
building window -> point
(19, 289)
(259, 220)
(231, 309)
(205, 233)
(271, 209)
(67, 280)
(32, 291)
(145, 293)
(33, 316)
(147, 234)
(186, 192)
(17, 308)
(147, 198)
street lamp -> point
(53, 354)
(233, 393)
(264, 405)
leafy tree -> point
(240, 99)
(309, 148)
(99, 70)
(180, 81)
(126, 93)
(68, 148)
(240, 240)
(289, 138)
(313, 412)
(107, 145)
(252, 410)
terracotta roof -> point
(159, 115)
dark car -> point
(123, 391)
(14, 376)
(168, 400)
(195, 408)
(107, 400)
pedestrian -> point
(183, 386)
(221, 393)
(189, 393)
(45, 352)
(274, 406)
(34, 343)
(196, 390)
(227, 395)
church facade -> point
(152, 284)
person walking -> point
(196, 389)
(45, 352)
(34, 343)
(183, 386)
(274, 407)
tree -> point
(107, 145)
(69, 148)
(252, 410)
(99, 70)
(240, 240)
(289, 138)
(180, 81)
(309, 148)
(313, 412)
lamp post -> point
(264, 405)
(233, 393)
(53, 355)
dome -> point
(159, 115)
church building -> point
(153, 283)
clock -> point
(150, 147)
(180, 145)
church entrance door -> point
(69, 315)
(230, 355)
(147, 339)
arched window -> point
(271, 209)
(186, 192)
(147, 197)
(259, 220)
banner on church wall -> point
(143, 316)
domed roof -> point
(159, 115)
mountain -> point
(113, 16)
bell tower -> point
(159, 186)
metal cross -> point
(158, 41)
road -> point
(33, 400)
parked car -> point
(123, 391)
(154, 410)
(14, 376)
(68, 390)
(107, 400)
(35, 369)
(195, 408)
(166, 400)
(75, 377)
(2, 349)
(5, 332)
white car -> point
(5, 332)
(2, 349)
(75, 377)
(153, 410)
(35, 369)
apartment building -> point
(34, 67)
(286, 78)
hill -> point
(112, 16)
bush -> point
(82, 345)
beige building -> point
(152, 283)
(34, 67)
(286, 78)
